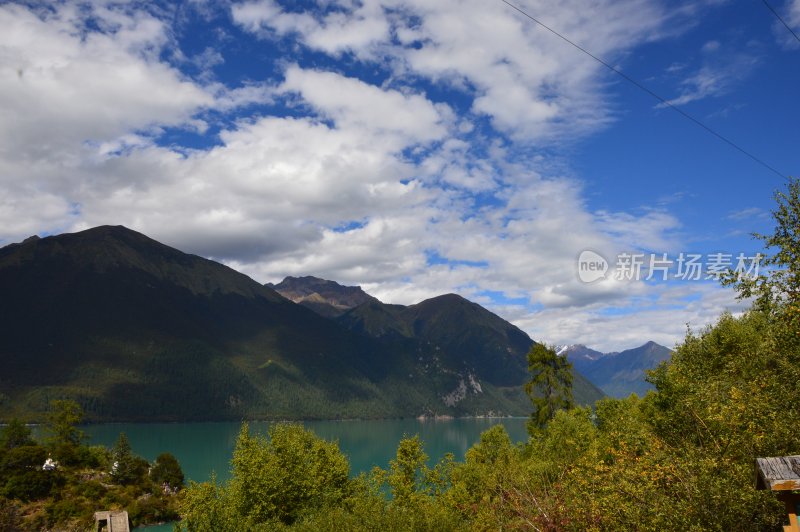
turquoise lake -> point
(203, 448)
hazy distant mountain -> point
(136, 330)
(328, 298)
(618, 374)
(579, 352)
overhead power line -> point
(642, 87)
(782, 21)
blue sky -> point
(412, 147)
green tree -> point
(550, 387)
(22, 475)
(480, 483)
(289, 475)
(15, 434)
(166, 471)
(208, 506)
(407, 471)
(64, 438)
(417, 491)
(777, 287)
(127, 468)
(726, 396)
(409, 477)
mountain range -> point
(135, 330)
(618, 374)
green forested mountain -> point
(458, 334)
(135, 330)
(456, 339)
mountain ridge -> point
(136, 330)
(325, 297)
(466, 328)
(618, 373)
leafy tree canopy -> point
(15, 434)
(166, 471)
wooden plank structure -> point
(782, 474)
(111, 521)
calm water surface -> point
(203, 448)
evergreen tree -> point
(126, 468)
(550, 387)
(64, 438)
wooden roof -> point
(778, 473)
(115, 520)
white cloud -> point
(716, 76)
(652, 231)
(65, 90)
(52, 212)
(358, 105)
(749, 213)
(360, 182)
(76, 89)
(530, 83)
(72, 97)
(252, 93)
(663, 320)
(354, 28)
(278, 183)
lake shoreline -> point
(279, 420)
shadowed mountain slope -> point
(460, 335)
(135, 330)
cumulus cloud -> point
(72, 95)
(354, 104)
(94, 87)
(532, 85)
(352, 27)
(293, 173)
